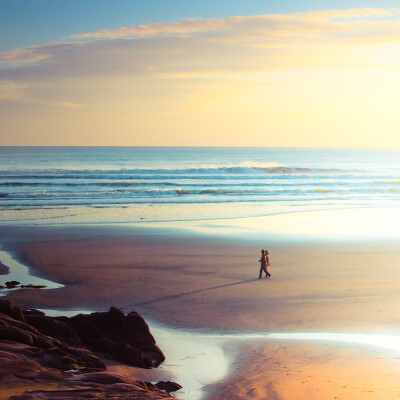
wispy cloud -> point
(256, 43)
(195, 48)
(181, 28)
(282, 24)
(34, 53)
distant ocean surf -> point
(154, 183)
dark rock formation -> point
(123, 338)
(15, 284)
(3, 269)
(25, 340)
(12, 284)
(90, 390)
(168, 386)
(61, 350)
(31, 286)
(8, 308)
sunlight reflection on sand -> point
(353, 224)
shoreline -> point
(332, 296)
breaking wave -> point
(240, 168)
(174, 180)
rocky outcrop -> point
(16, 284)
(123, 338)
(168, 386)
(12, 284)
(3, 269)
(106, 386)
(41, 349)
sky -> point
(212, 73)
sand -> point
(196, 282)
(293, 370)
(208, 283)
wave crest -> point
(245, 167)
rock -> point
(33, 286)
(45, 350)
(54, 327)
(13, 334)
(117, 391)
(123, 338)
(12, 284)
(168, 386)
(3, 269)
(60, 351)
(8, 308)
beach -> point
(202, 278)
(157, 158)
(175, 234)
(306, 370)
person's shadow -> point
(176, 296)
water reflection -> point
(20, 272)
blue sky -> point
(29, 22)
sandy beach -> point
(303, 370)
(194, 281)
(151, 151)
(208, 283)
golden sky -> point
(316, 79)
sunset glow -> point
(315, 78)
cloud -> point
(194, 48)
(182, 29)
(33, 53)
(187, 27)
(198, 45)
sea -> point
(47, 185)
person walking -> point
(268, 264)
(264, 260)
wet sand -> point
(211, 283)
(299, 370)
(208, 283)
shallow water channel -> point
(21, 273)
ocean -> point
(129, 184)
